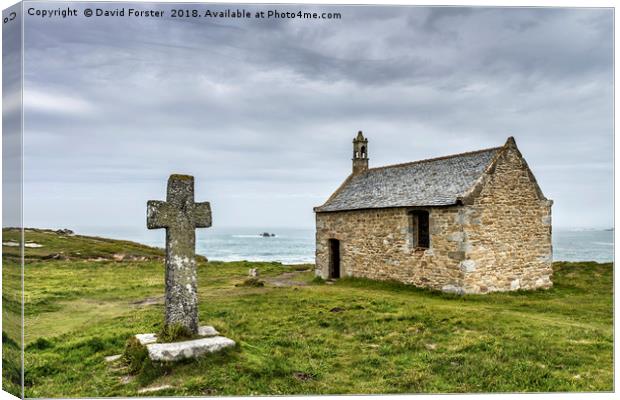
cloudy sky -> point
(262, 112)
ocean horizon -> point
(296, 245)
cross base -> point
(189, 349)
(175, 351)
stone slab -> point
(207, 331)
(154, 388)
(113, 358)
(188, 349)
(148, 338)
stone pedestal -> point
(175, 351)
(189, 349)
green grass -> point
(355, 336)
(74, 247)
(11, 321)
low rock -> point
(453, 289)
(207, 331)
(154, 388)
(146, 338)
(113, 358)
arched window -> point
(363, 151)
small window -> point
(419, 229)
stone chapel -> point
(473, 222)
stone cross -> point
(179, 215)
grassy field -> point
(86, 296)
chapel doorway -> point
(334, 258)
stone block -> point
(456, 255)
(468, 265)
(148, 338)
(452, 289)
(546, 258)
(542, 282)
(207, 331)
(456, 237)
(188, 349)
(465, 247)
(154, 388)
(113, 358)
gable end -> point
(470, 196)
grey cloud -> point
(270, 107)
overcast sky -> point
(262, 112)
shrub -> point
(8, 341)
(301, 267)
(95, 345)
(135, 355)
(40, 344)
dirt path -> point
(286, 279)
(149, 301)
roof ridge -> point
(434, 159)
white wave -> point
(291, 261)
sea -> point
(296, 245)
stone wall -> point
(377, 244)
(500, 239)
(508, 231)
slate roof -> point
(433, 182)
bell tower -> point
(360, 153)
